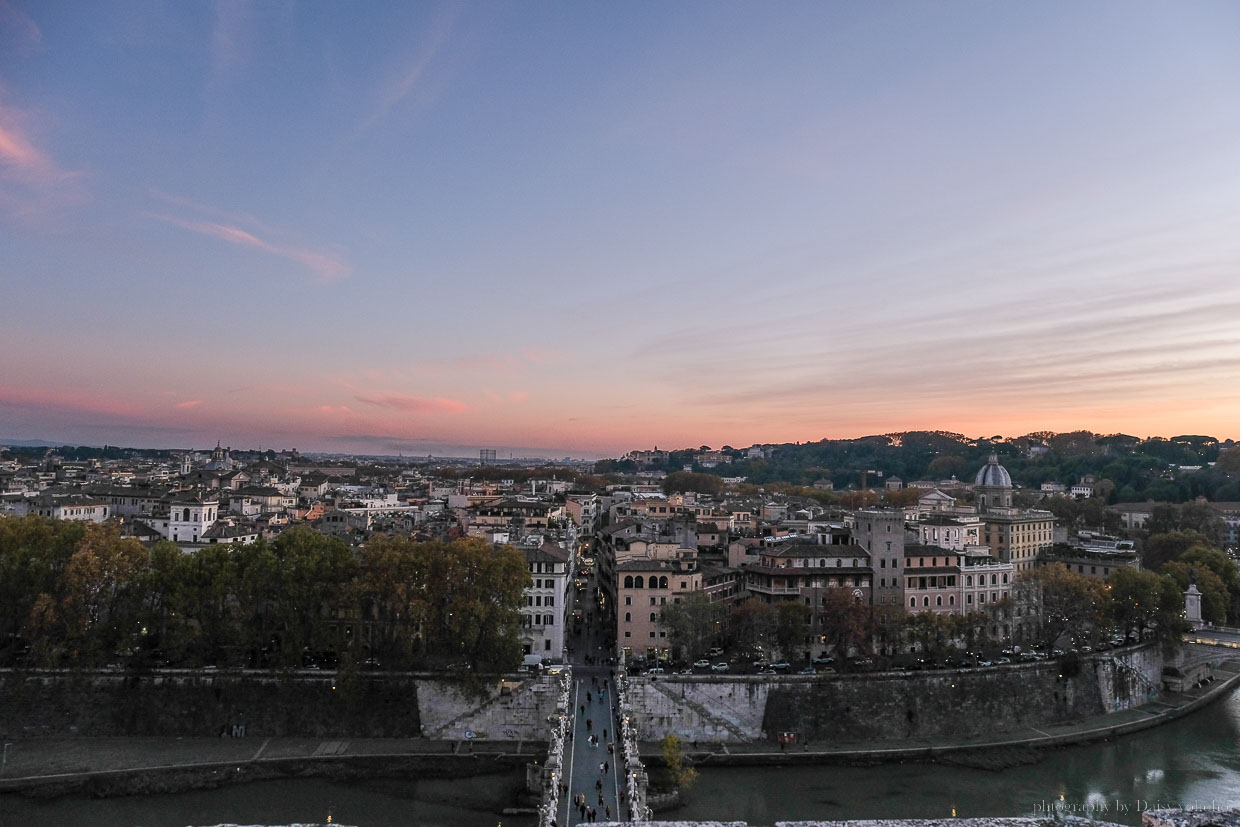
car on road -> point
(715, 652)
(657, 670)
(782, 666)
(702, 664)
(809, 670)
(719, 667)
(767, 672)
(825, 660)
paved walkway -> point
(590, 773)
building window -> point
(628, 601)
(628, 617)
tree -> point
(855, 500)
(844, 622)
(1163, 548)
(1133, 599)
(692, 623)
(1229, 462)
(1205, 558)
(1215, 598)
(903, 497)
(680, 774)
(678, 482)
(101, 599)
(752, 625)
(1055, 600)
(791, 626)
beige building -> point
(1014, 535)
(1017, 535)
(644, 586)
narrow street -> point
(591, 776)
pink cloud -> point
(38, 398)
(418, 404)
(328, 265)
(333, 409)
(31, 182)
(187, 404)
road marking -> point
(260, 750)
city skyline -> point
(579, 231)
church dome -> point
(993, 474)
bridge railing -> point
(553, 769)
(635, 779)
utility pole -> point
(4, 763)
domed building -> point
(993, 486)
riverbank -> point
(101, 767)
(1011, 749)
(54, 766)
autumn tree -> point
(791, 626)
(99, 607)
(692, 623)
(1055, 601)
(844, 622)
(752, 625)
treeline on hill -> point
(80, 595)
(1134, 469)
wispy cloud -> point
(402, 85)
(187, 404)
(19, 34)
(328, 266)
(31, 182)
(416, 404)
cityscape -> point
(460, 413)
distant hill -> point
(36, 443)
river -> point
(1191, 762)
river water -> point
(1191, 762)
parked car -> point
(719, 667)
(702, 664)
(782, 666)
(825, 660)
(715, 652)
(809, 670)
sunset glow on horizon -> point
(577, 230)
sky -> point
(577, 229)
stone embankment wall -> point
(257, 704)
(892, 705)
